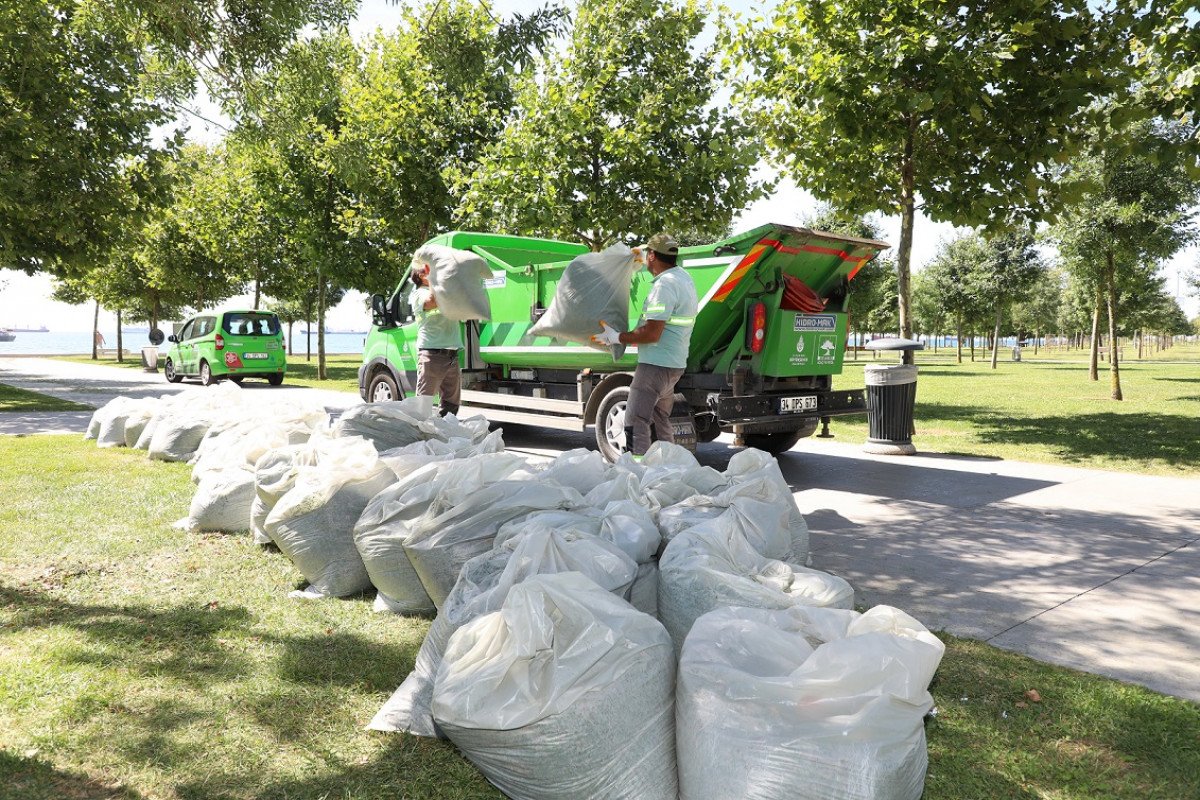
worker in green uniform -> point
(438, 342)
(662, 335)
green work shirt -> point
(434, 332)
(672, 299)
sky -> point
(25, 301)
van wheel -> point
(206, 376)
(169, 372)
(778, 442)
(610, 423)
(383, 388)
(275, 380)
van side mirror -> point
(380, 317)
(172, 338)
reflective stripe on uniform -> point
(681, 321)
(655, 309)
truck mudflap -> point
(778, 408)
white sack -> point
(397, 423)
(668, 474)
(643, 593)
(313, 523)
(624, 523)
(804, 704)
(111, 418)
(177, 436)
(274, 475)
(593, 287)
(385, 523)
(707, 568)
(136, 422)
(456, 278)
(567, 692)
(482, 586)
(222, 502)
(240, 443)
(458, 526)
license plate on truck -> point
(792, 405)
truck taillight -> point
(758, 327)
(220, 342)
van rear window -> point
(251, 324)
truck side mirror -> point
(379, 312)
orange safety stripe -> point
(739, 272)
(857, 267)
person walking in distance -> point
(662, 335)
(438, 342)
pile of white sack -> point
(570, 596)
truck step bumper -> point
(767, 407)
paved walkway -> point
(1094, 570)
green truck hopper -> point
(756, 368)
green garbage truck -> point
(769, 336)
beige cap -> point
(664, 243)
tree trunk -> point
(1141, 335)
(120, 341)
(972, 347)
(321, 329)
(904, 254)
(1094, 361)
(308, 315)
(958, 337)
(1114, 357)
(996, 335)
(289, 348)
(257, 292)
(96, 332)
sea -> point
(47, 343)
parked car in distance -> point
(234, 345)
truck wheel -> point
(169, 372)
(779, 442)
(275, 380)
(610, 423)
(206, 376)
(383, 388)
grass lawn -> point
(14, 399)
(137, 661)
(342, 370)
(1048, 411)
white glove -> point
(608, 336)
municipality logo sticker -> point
(800, 345)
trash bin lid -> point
(894, 343)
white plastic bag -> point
(805, 704)
(313, 523)
(458, 526)
(482, 586)
(274, 475)
(398, 423)
(710, 567)
(567, 692)
(593, 287)
(456, 278)
(383, 528)
(136, 422)
(222, 502)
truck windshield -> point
(251, 324)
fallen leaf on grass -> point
(1033, 696)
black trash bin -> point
(891, 396)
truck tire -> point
(777, 442)
(383, 388)
(206, 374)
(610, 423)
(169, 372)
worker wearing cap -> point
(662, 336)
(438, 342)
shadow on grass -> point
(34, 778)
(181, 642)
(1079, 437)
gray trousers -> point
(651, 397)
(438, 373)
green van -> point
(227, 344)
